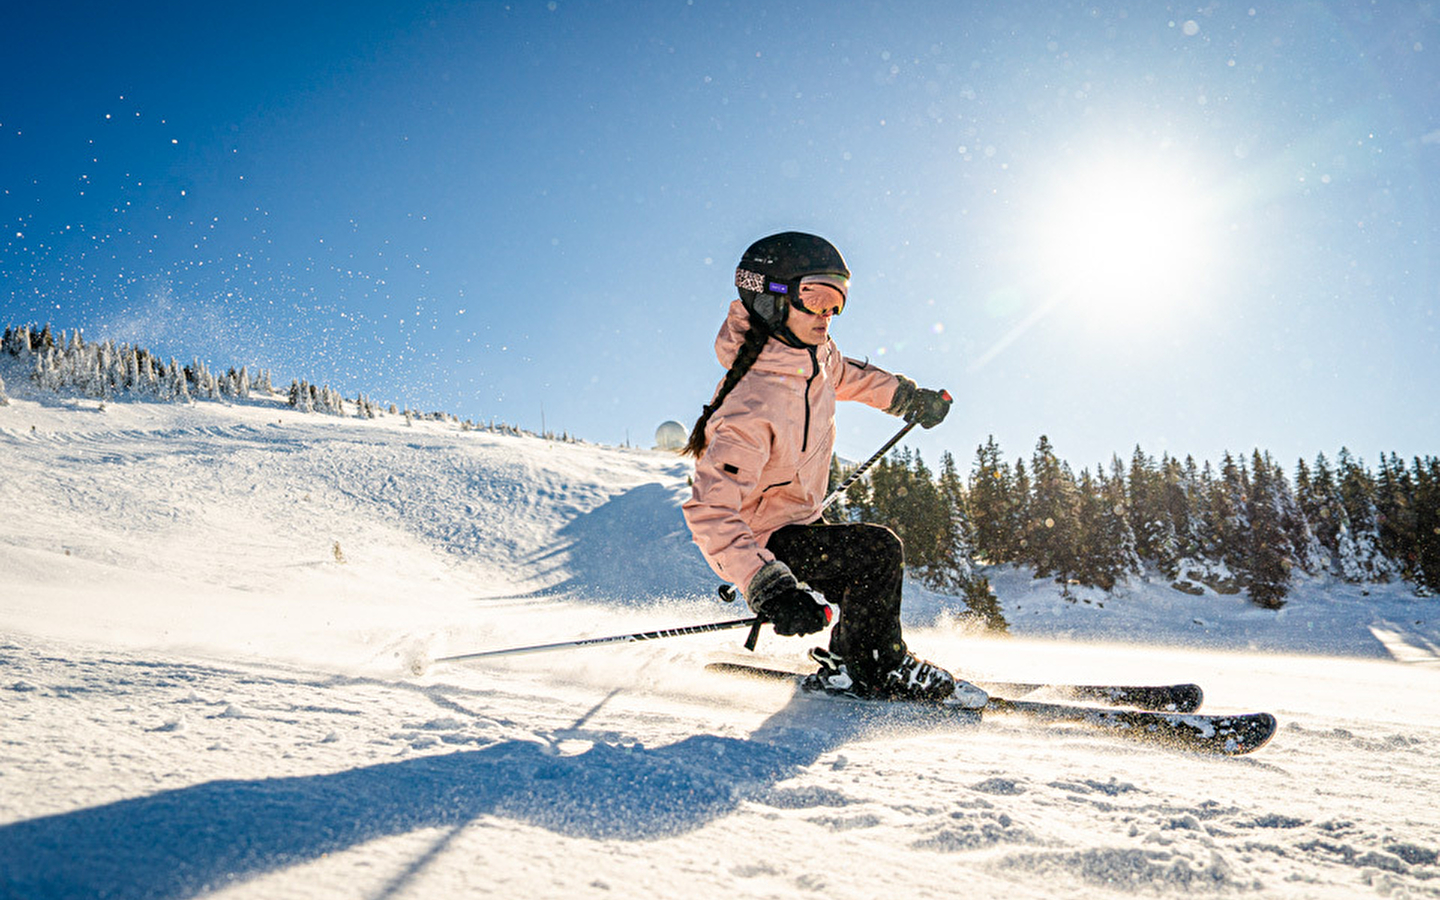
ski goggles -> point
(817, 295)
(821, 294)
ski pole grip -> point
(754, 635)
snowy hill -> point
(209, 613)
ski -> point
(1179, 698)
(1226, 734)
(1230, 734)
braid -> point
(755, 339)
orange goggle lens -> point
(821, 294)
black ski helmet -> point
(770, 271)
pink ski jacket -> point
(767, 461)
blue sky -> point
(1193, 228)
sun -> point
(1125, 238)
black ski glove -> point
(917, 404)
(793, 608)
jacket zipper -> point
(814, 370)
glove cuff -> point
(771, 574)
(904, 394)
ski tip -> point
(1249, 733)
(1189, 697)
(1270, 726)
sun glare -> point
(1125, 240)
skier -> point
(762, 448)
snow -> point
(209, 613)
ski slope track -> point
(209, 614)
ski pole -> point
(595, 642)
(729, 593)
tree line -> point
(1242, 526)
(66, 362)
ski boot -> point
(913, 679)
(919, 679)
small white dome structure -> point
(670, 436)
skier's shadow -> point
(632, 547)
(188, 841)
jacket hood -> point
(776, 357)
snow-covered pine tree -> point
(1358, 494)
(178, 388)
(1227, 519)
(958, 551)
(44, 375)
(1305, 547)
(96, 366)
(1155, 503)
(1319, 497)
(16, 340)
(1107, 552)
(1178, 537)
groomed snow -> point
(209, 613)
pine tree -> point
(1397, 508)
(1305, 548)
(858, 500)
(1107, 550)
(1144, 503)
(906, 501)
(1054, 529)
(1426, 477)
(1229, 515)
(992, 506)
(1191, 533)
(1169, 541)
(836, 511)
(928, 520)
(1092, 565)
(1269, 556)
(1358, 494)
(956, 565)
(981, 600)
(1020, 503)
(1320, 499)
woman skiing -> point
(763, 447)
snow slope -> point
(208, 613)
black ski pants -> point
(861, 569)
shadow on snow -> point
(184, 842)
(633, 548)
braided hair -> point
(755, 339)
